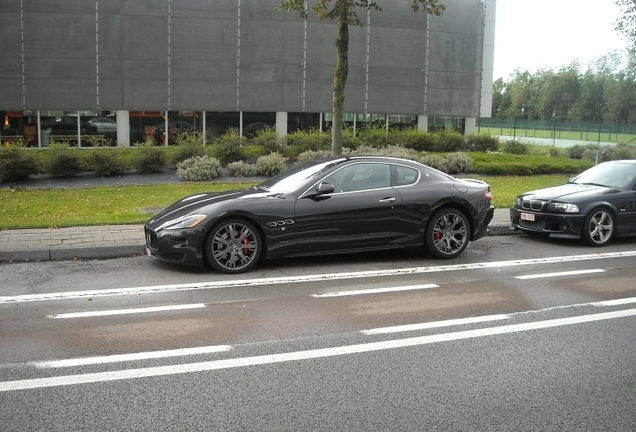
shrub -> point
(575, 152)
(149, 159)
(418, 140)
(227, 148)
(241, 169)
(107, 162)
(312, 139)
(64, 161)
(189, 145)
(373, 135)
(268, 139)
(348, 140)
(311, 155)
(271, 164)
(458, 163)
(482, 142)
(449, 140)
(434, 160)
(199, 168)
(17, 163)
(515, 147)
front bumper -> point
(558, 224)
(176, 246)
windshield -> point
(293, 178)
(616, 175)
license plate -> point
(527, 217)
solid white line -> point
(306, 278)
(301, 355)
(126, 311)
(131, 357)
(558, 274)
(375, 291)
(436, 324)
(616, 302)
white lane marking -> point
(436, 324)
(301, 355)
(375, 290)
(616, 302)
(306, 278)
(131, 357)
(559, 274)
(126, 311)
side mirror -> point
(324, 188)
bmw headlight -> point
(564, 208)
(188, 221)
(518, 202)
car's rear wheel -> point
(447, 234)
(599, 227)
(233, 246)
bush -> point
(268, 139)
(515, 147)
(199, 168)
(189, 145)
(374, 135)
(271, 164)
(227, 148)
(313, 139)
(348, 141)
(64, 161)
(458, 163)
(311, 155)
(418, 140)
(17, 163)
(107, 162)
(241, 169)
(482, 142)
(434, 161)
(149, 159)
(449, 140)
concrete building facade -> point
(184, 56)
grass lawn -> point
(56, 208)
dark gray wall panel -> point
(110, 94)
(183, 55)
(145, 94)
(62, 94)
(257, 96)
(200, 95)
(395, 100)
(11, 91)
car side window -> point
(360, 177)
(405, 176)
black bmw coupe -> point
(328, 205)
(595, 206)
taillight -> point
(488, 194)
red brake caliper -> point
(245, 241)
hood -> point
(568, 192)
(204, 202)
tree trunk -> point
(339, 81)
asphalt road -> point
(518, 333)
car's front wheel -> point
(447, 234)
(599, 227)
(233, 246)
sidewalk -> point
(114, 241)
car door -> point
(359, 214)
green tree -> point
(626, 24)
(345, 14)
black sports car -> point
(328, 205)
(596, 206)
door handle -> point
(387, 200)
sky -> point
(548, 34)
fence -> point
(554, 129)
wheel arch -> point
(456, 206)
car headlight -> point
(563, 208)
(518, 202)
(188, 221)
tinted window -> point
(360, 177)
(406, 176)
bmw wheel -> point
(447, 234)
(599, 227)
(233, 246)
